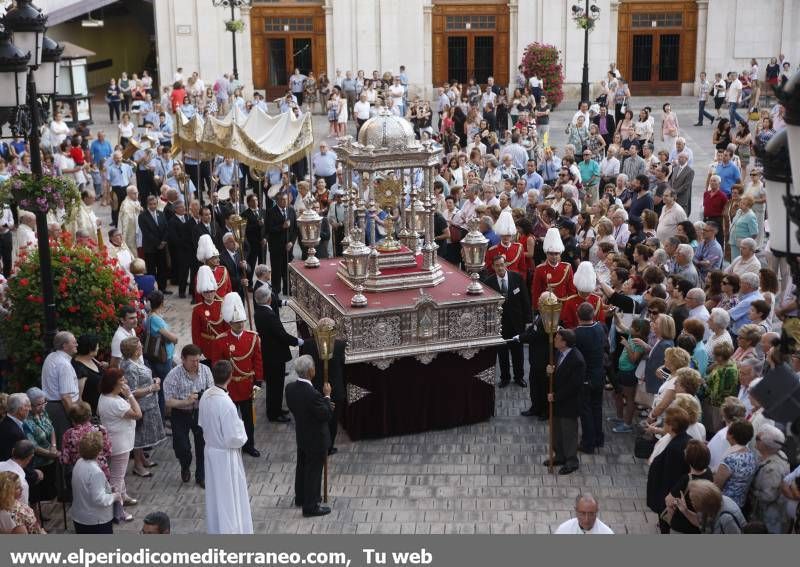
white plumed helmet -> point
(233, 308)
(206, 280)
(552, 241)
(206, 249)
(505, 225)
(585, 278)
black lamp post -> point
(585, 18)
(233, 4)
(25, 24)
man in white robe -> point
(26, 233)
(129, 219)
(84, 218)
(227, 500)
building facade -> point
(660, 46)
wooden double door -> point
(656, 45)
(284, 40)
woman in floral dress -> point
(310, 91)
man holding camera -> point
(183, 387)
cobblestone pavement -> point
(482, 478)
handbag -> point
(643, 446)
(153, 347)
(754, 115)
(642, 397)
(456, 233)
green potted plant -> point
(234, 26)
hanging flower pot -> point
(236, 26)
(40, 195)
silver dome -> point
(385, 130)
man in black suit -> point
(208, 226)
(591, 341)
(606, 133)
(282, 230)
(275, 343)
(570, 370)
(538, 357)
(181, 250)
(219, 210)
(312, 412)
(254, 232)
(193, 219)
(18, 407)
(516, 315)
(335, 378)
(153, 226)
(232, 259)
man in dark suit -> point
(282, 231)
(608, 127)
(516, 315)
(335, 379)
(208, 226)
(570, 369)
(591, 340)
(681, 179)
(254, 232)
(218, 210)
(232, 259)
(538, 357)
(193, 219)
(18, 407)
(153, 226)
(312, 412)
(181, 249)
(275, 343)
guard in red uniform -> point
(552, 274)
(585, 281)
(207, 322)
(208, 254)
(514, 252)
(243, 349)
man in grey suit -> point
(681, 180)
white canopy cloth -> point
(256, 139)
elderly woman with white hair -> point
(40, 431)
(746, 261)
(767, 503)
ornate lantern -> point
(550, 311)
(310, 225)
(325, 336)
(46, 76)
(473, 247)
(13, 72)
(782, 200)
(789, 96)
(356, 261)
(28, 24)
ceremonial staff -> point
(237, 224)
(550, 312)
(325, 338)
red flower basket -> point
(544, 61)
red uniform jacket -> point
(245, 355)
(558, 278)
(207, 324)
(569, 311)
(223, 284)
(515, 257)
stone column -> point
(428, 88)
(329, 40)
(513, 41)
(244, 58)
(702, 38)
(613, 30)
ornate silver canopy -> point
(385, 130)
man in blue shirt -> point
(324, 165)
(100, 149)
(225, 173)
(532, 179)
(119, 175)
(708, 255)
(748, 293)
(643, 199)
(164, 130)
(487, 229)
(729, 174)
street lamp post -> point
(233, 4)
(585, 18)
(25, 24)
